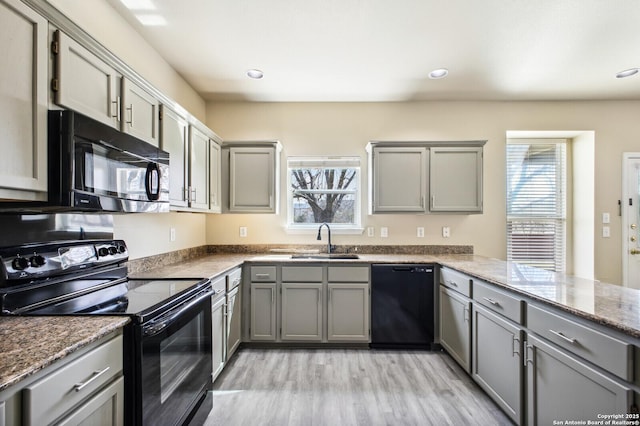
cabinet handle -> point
(130, 109)
(433, 201)
(466, 314)
(563, 337)
(96, 374)
(272, 297)
(236, 282)
(117, 104)
(453, 283)
(193, 192)
(516, 346)
(262, 276)
(493, 302)
(528, 359)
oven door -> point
(175, 363)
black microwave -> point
(96, 168)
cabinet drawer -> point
(219, 284)
(498, 301)
(304, 274)
(456, 280)
(357, 274)
(234, 279)
(603, 350)
(263, 273)
(49, 398)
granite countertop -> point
(608, 304)
(29, 344)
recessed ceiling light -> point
(438, 73)
(255, 73)
(627, 73)
(149, 20)
(138, 4)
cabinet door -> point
(561, 387)
(302, 311)
(234, 323)
(455, 326)
(106, 408)
(23, 102)
(348, 312)
(497, 360)
(263, 311)
(252, 180)
(219, 332)
(455, 178)
(173, 139)
(215, 190)
(198, 169)
(399, 179)
(85, 83)
(139, 112)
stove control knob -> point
(113, 250)
(20, 263)
(103, 251)
(37, 260)
(122, 249)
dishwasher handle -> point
(411, 269)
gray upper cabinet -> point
(140, 112)
(455, 179)
(85, 83)
(215, 181)
(399, 179)
(173, 136)
(198, 193)
(251, 173)
(23, 104)
(425, 177)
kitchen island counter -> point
(29, 344)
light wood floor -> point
(348, 387)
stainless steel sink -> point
(325, 256)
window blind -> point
(536, 204)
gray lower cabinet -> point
(263, 311)
(234, 321)
(102, 409)
(302, 311)
(560, 386)
(455, 326)
(218, 329)
(348, 312)
(497, 359)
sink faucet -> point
(329, 246)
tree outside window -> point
(324, 190)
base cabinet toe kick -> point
(540, 365)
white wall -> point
(345, 129)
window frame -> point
(559, 218)
(296, 162)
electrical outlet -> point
(606, 232)
(371, 232)
(243, 231)
(446, 232)
(420, 232)
(172, 234)
(606, 218)
(384, 232)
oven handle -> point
(156, 326)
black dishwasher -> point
(402, 306)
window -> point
(323, 190)
(536, 203)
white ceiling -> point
(383, 50)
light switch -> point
(384, 232)
(606, 218)
(371, 232)
(606, 232)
